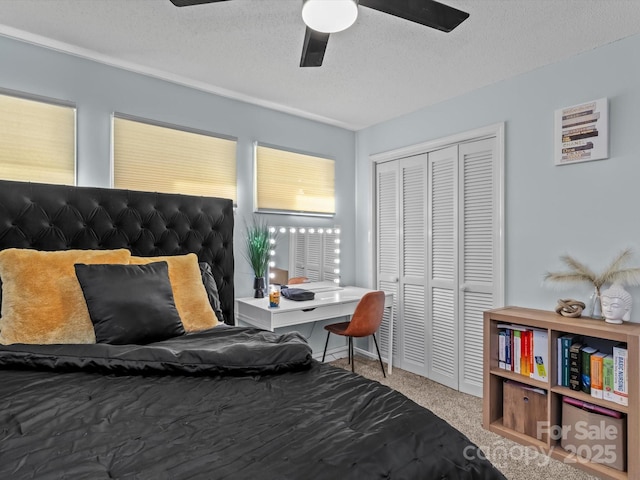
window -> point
(37, 140)
(288, 182)
(157, 158)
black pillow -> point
(130, 304)
(297, 294)
(212, 289)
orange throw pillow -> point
(188, 290)
(42, 302)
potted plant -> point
(616, 272)
(258, 243)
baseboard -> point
(333, 354)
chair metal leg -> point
(348, 351)
(326, 344)
(379, 356)
(353, 360)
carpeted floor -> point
(465, 413)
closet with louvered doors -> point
(437, 249)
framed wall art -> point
(581, 132)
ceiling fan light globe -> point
(329, 16)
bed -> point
(206, 400)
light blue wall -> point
(587, 210)
(99, 90)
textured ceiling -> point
(380, 68)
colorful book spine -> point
(502, 351)
(567, 340)
(607, 378)
(539, 354)
(517, 351)
(597, 375)
(559, 362)
(505, 343)
(620, 375)
(509, 351)
(524, 356)
(531, 357)
(585, 372)
(575, 366)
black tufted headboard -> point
(57, 217)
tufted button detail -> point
(56, 217)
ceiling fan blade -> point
(425, 12)
(313, 48)
(188, 3)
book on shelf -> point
(505, 347)
(564, 342)
(585, 368)
(532, 358)
(620, 374)
(517, 351)
(508, 345)
(559, 361)
(539, 354)
(525, 353)
(597, 374)
(502, 351)
(607, 378)
(575, 364)
(524, 350)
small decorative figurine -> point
(616, 304)
(570, 308)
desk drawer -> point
(312, 314)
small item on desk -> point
(297, 294)
(274, 296)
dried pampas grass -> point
(616, 272)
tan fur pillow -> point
(188, 290)
(42, 302)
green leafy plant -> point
(258, 246)
(616, 272)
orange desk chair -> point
(365, 321)
(296, 280)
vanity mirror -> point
(307, 252)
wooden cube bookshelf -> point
(556, 326)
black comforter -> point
(234, 403)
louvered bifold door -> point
(442, 334)
(477, 268)
(412, 264)
(387, 239)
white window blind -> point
(37, 141)
(156, 158)
(290, 182)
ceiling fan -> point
(324, 17)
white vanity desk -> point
(330, 301)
